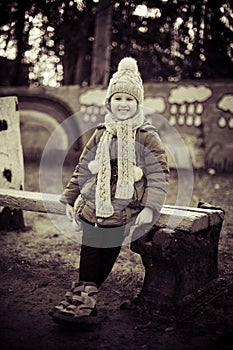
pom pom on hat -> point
(128, 63)
(127, 79)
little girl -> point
(121, 180)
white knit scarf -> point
(128, 172)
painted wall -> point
(199, 112)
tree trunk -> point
(20, 71)
(68, 62)
(81, 66)
(101, 48)
(11, 160)
(76, 60)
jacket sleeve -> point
(156, 171)
(81, 172)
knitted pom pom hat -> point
(127, 79)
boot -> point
(65, 302)
(80, 307)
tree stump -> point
(11, 160)
(179, 261)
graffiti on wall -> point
(187, 104)
(218, 135)
(226, 105)
(186, 107)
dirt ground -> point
(38, 264)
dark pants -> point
(99, 251)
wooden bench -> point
(179, 253)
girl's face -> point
(123, 105)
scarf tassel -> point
(94, 166)
(137, 173)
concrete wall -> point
(197, 115)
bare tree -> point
(102, 44)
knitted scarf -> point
(128, 172)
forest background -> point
(55, 42)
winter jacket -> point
(149, 191)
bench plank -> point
(31, 201)
(189, 221)
(214, 215)
(184, 218)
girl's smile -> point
(123, 105)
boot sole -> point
(58, 317)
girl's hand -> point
(69, 212)
(144, 217)
(77, 226)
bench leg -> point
(11, 219)
(177, 263)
